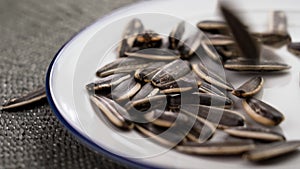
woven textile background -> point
(31, 32)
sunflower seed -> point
(294, 48)
(248, 65)
(190, 46)
(201, 131)
(222, 118)
(164, 118)
(148, 39)
(122, 65)
(218, 40)
(170, 72)
(210, 89)
(145, 74)
(175, 100)
(176, 35)
(115, 113)
(27, 99)
(255, 133)
(250, 87)
(125, 90)
(107, 83)
(183, 84)
(168, 138)
(211, 77)
(213, 27)
(134, 27)
(227, 52)
(272, 150)
(216, 148)
(262, 112)
(210, 51)
(148, 103)
(146, 91)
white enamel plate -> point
(76, 63)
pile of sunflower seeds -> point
(175, 86)
(158, 83)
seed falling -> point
(246, 44)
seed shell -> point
(148, 39)
(170, 72)
(216, 148)
(145, 74)
(213, 27)
(164, 118)
(190, 46)
(146, 91)
(262, 112)
(175, 100)
(169, 138)
(183, 84)
(249, 66)
(255, 133)
(125, 90)
(107, 83)
(201, 131)
(222, 118)
(272, 150)
(24, 100)
(250, 87)
(115, 113)
(122, 65)
(211, 77)
(148, 103)
(294, 48)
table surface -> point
(31, 33)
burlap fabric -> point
(31, 32)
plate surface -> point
(75, 64)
